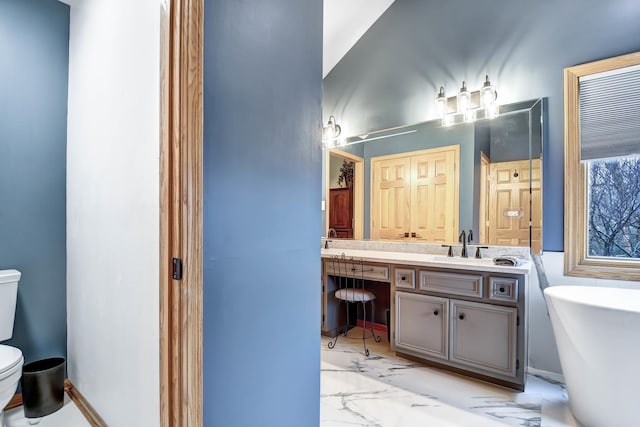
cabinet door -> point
(341, 208)
(422, 324)
(484, 336)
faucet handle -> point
(450, 252)
(478, 255)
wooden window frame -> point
(576, 260)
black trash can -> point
(43, 387)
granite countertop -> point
(426, 260)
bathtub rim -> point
(560, 292)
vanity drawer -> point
(405, 278)
(364, 271)
(469, 285)
(503, 289)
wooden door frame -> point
(484, 201)
(181, 80)
(358, 191)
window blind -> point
(610, 114)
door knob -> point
(461, 317)
(436, 312)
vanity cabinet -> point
(471, 320)
(465, 320)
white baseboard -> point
(547, 375)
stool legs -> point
(364, 326)
(345, 327)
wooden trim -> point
(576, 261)
(15, 401)
(419, 153)
(181, 213)
(83, 405)
(482, 222)
(358, 191)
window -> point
(602, 168)
(613, 217)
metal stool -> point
(351, 290)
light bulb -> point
(441, 103)
(488, 94)
(464, 99)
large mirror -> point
(428, 182)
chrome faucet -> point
(463, 238)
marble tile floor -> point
(67, 416)
(384, 390)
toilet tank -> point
(8, 296)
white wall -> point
(113, 208)
(543, 353)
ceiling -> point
(345, 21)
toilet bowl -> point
(11, 359)
(11, 362)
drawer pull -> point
(436, 312)
(461, 317)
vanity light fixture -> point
(468, 106)
(331, 131)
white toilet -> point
(11, 359)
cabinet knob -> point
(461, 317)
(403, 278)
(502, 290)
(436, 312)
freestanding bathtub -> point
(597, 331)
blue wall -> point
(34, 57)
(392, 75)
(262, 157)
